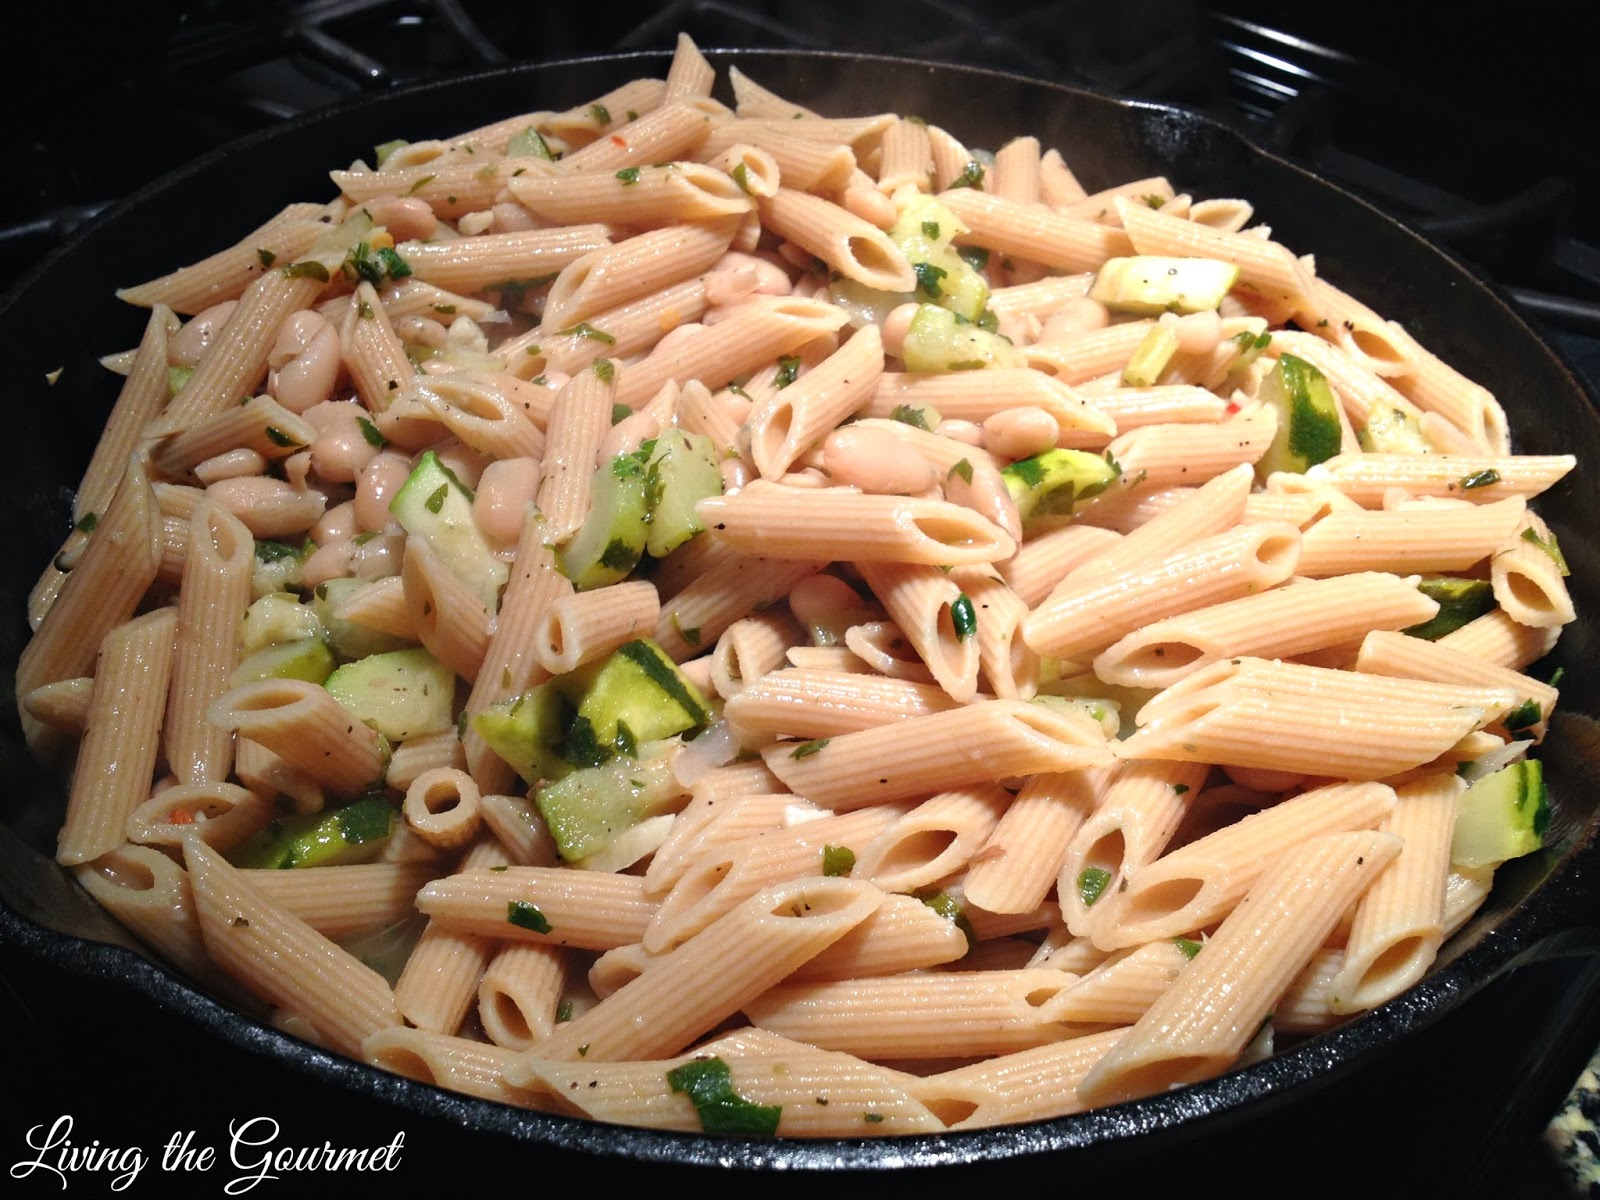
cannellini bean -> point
(871, 205)
(505, 489)
(466, 462)
(1020, 432)
(378, 557)
(735, 474)
(895, 326)
(734, 406)
(341, 448)
(376, 484)
(969, 432)
(730, 286)
(1198, 333)
(191, 342)
(875, 461)
(338, 524)
(771, 278)
(628, 434)
(269, 508)
(327, 562)
(309, 377)
(405, 217)
(422, 331)
(231, 465)
(1078, 315)
(297, 334)
(513, 218)
(474, 223)
(820, 600)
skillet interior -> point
(65, 317)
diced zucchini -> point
(526, 731)
(1150, 358)
(435, 506)
(939, 340)
(1105, 713)
(276, 618)
(638, 694)
(1308, 417)
(277, 567)
(354, 833)
(304, 658)
(402, 694)
(866, 306)
(589, 807)
(1147, 284)
(1460, 601)
(1392, 431)
(348, 640)
(1056, 479)
(681, 472)
(923, 233)
(612, 539)
(1502, 816)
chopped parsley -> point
(691, 635)
(838, 860)
(1478, 479)
(963, 617)
(1189, 947)
(1091, 883)
(268, 551)
(963, 469)
(526, 916)
(435, 502)
(374, 266)
(87, 522)
(372, 433)
(930, 230)
(971, 176)
(1180, 788)
(709, 1085)
(976, 257)
(310, 269)
(421, 183)
(563, 1012)
(946, 906)
(529, 144)
(908, 414)
(1549, 547)
(741, 176)
(584, 329)
(807, 749)
(266, 258)
(1525, 715)
(606, 371)
(279, 438)
(788, 371)
(928, 277)
(619, 412)
(628, 175)
(600, 113)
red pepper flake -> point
(619, 141)
(182, 816)
(1231, 409)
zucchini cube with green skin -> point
(353, 833)
(613, 536)
(1054, 480)
(1308, 417)
(347, 639)
(527, 730)
(1502, 816)
(682, 470)
(435, 506)
(923, 232)
(588, 808)
(1146, 285)
(939, 340)
(402, 694)
(304, 658)
(1393, 431)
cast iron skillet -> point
(64, 316)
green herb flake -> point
(268, 551)
(421, 183)
(605, 370)
(963, 617)
(584, 329)
(526, 916)
(928, 277)
(1189, 947)
(1556, 678)
(838, 860)
(372, 434)
(976, 257)
(310, 269)
(563, 1012)
(529, 144)
(632, 115)
(788, 371)
(628, 175)
(501, 869)
(1524, 716)
(361, 539)
(619, 412)
(946, 906)
(87, 522)
(435, 502)
(971, 176)
(266, 258)
(807, 749)
(1549, 547)
(618, 556)
(448, 310)
(1485, 478)
(709, 1085)
(1154, 201)
(1180, 789)
(600, 113)
(872, 1118)
(583, 1050)
(908, 414)
(741, 176)
(962, 470)
(393, 264)
(930, 230)
(279, 438)
(1091, 883)
(690, 636)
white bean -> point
(309, 378)
(405, 217)
(327, 562)
(376, 484)
(1078, 315)
(1020, 432)
(338, 524)
(1198, 333)
(895, 326)
(231, 465)
(191, 342)
(341, 448)
(269, 508)
(628, 434)
(875, 461)
(297, 333)
(505, 489)
(969, 432)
